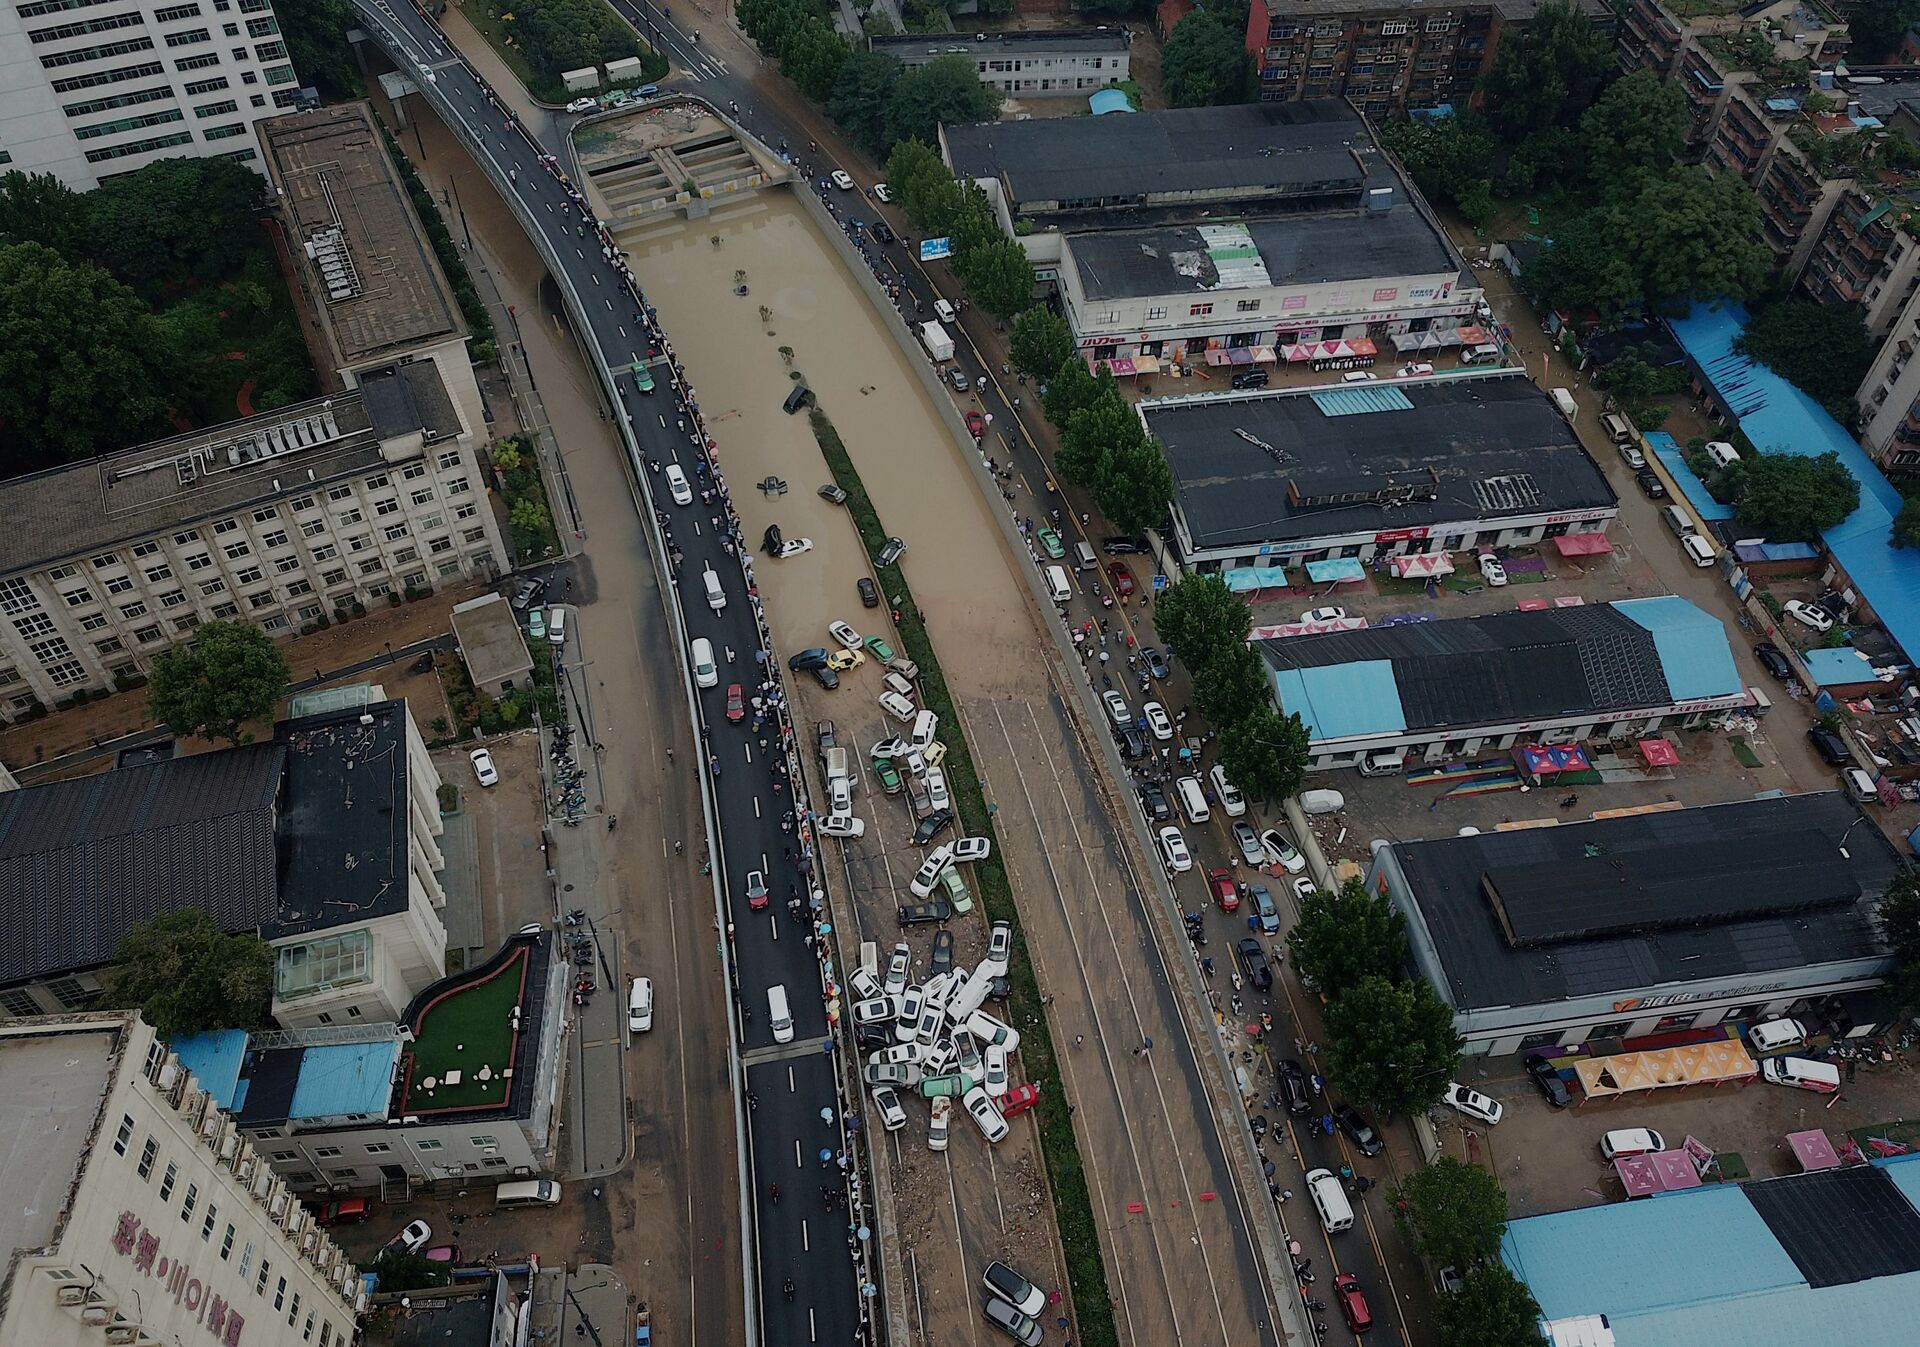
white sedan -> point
(582, 105)
(846, 635)
(843, 825)
(881, 193)
(929, 872)
(995, 1058)
(1472, 1103)
(980, 1107)
(972, 848)
(418, 1234)
(887, 1102)
(843, 179)
(1158, 721)
(1281, 852)
(1492, 571)
(640, 1006)
(1314, 616)
(937, 794)
(483, 767)
(793, 547)
(678, 486)
(1173, 847)
(1809, 614)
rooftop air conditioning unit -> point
(96, 1316)
(123, 1333)
(71, 1296)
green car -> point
(952, 1085)
(1050, 543)
(881, 650)
(956, 890)
(536, 624)
(642, 376)
(889, 775)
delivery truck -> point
(934, 337)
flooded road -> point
(891, 429)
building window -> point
(167, 1180)
(326, 1152)
(293, 1313)
(155, 574)
(274, 538)
(246, 1260)
(260, 1286)
(422, 496)
(313, 528)
(16, 596)
(349, 518)
(379, 1148)
(199, 561)
(278, 622)
(387, 505)
(147, 635)
(285, 565)
(186, 1205)
(208, 588)
(280, 1295)
(483, 1141)
(263, 599)
(226, 1246)
(427, 1145)
(1247, 306)
(222, 612)
(206, 1226)
(119, 584)
(173, 598)
(148, 1153)
(325, 552)
(394, 532)
(1199, 310)
(72, 993)
(130, 611)
(235, 550)
(124, 1137)
(448, 461)
(249, 575)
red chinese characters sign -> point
(221, 1320)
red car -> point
(976, 425)
(1225, 892)
(736, 704)
(1353, 1302)
(1019, 1099)
(1122, 578)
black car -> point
(999, 989)
(869, 592)
(1830, 746)
(1253, 961)
(919, 914)
(1133, 744)
(1359, 1131)
(1121, 545)
(1548, 1079)
(882, 232)
(932, 826)
(890, 552)
(1153, 800)
(1156, 662)
(942, 961)
(1774, 660)
(1650, 483)
(833, 495)
(815, 658)
(1294, 1090)
(1252, 378)
(826, 677)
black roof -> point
(1841, 1226)
(1661, 856)
(343, 843)
(1487, 446)
(270, 1077)
(1499, 667)
(84, 861)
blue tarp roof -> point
(1674, 459)
(1693, 648)
(1779, 418)
(1338, 700)
(1336, 568)
(214, 1058)
(1842, 664)
(1247, 579)
(344, 1078)
(1110, 100)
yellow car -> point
(935, 753)
(846, 659)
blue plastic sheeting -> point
(1338, 701)
(344, 1078)
(1674, 459)
(1777, 552)
(1361, 400)
(1692, 645)
(1110, 100)
(1836, 667)
(1246, 579)
(215, 1058)
(1780, 419)
(1336, 568)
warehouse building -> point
(1269, 481)
(1432, 691)
(1647, 923)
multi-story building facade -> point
(91, 89)
(135, 1212)
(1889, 399)
(1044, 63)
(1867, 256)
(1384, 57)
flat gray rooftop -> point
(53, 1085)
(1492, 445)
(1308, 248)
(919, 47)
(491, 640)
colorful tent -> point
(1659, 753)
(1418, 565)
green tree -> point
(230, 674)
(1206, 62)
(1824, 350)
(1906, 524)
(1072, 387)
(1347, 936)
(398, 1270)
(1493, 1309)
(812, 59)
(1265, 754)
(1455, 1212)
(1092, 433)
(1448, 158)
(860, 102)
(177, 222)
(1791, 498)
(945, 89)
(557, 35)
(1693, 235)
(1875, 28)
(1544, 155)
(1640, 122)
(1392, 1047)
(1231, 685)
(39, 208)
(1547, 72)
(1589, 266)
(315, 32)
(1900, 920)
(1198, 615)
(82, 362)
(1134, 485)
(186, 975)
(998, 276)
(1042, 342)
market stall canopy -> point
(1583, 545)
(1552, 759)
(1712, 1063)
(1659, 753)
(1414, 567)
(1813, 1149)
(1661, 1172)
(1247, 579)
(1336, 568)
(1324, 350)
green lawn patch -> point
(1743, 750)
(465, 1030)
(1072, 1203)
(492, 19)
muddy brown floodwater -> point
(903, 451)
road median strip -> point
(1067, 1181)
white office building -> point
(90, 89)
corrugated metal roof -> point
(1693, 647)
(1357, 401)
(1343, 700)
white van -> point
(1702, 551)
(531, 1193)
(706, 673)
(1631, 1141)
(1802, 1073)
(779, 1018)
(1058, 589)
(1860, 785)
(1083, 557)
(1484, 354)
(1722, 453)
(870, 957)
(1677, 520)
(1385, 762)
(716, 596)
(1330, 1201)
(557, 625)
(926, 724)
(898, 707)
(1618, 428)
(1193, 800)
(971, 995)
(1777, 1035)
(1232, 802)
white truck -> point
(934, 337)
(1564, 401)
